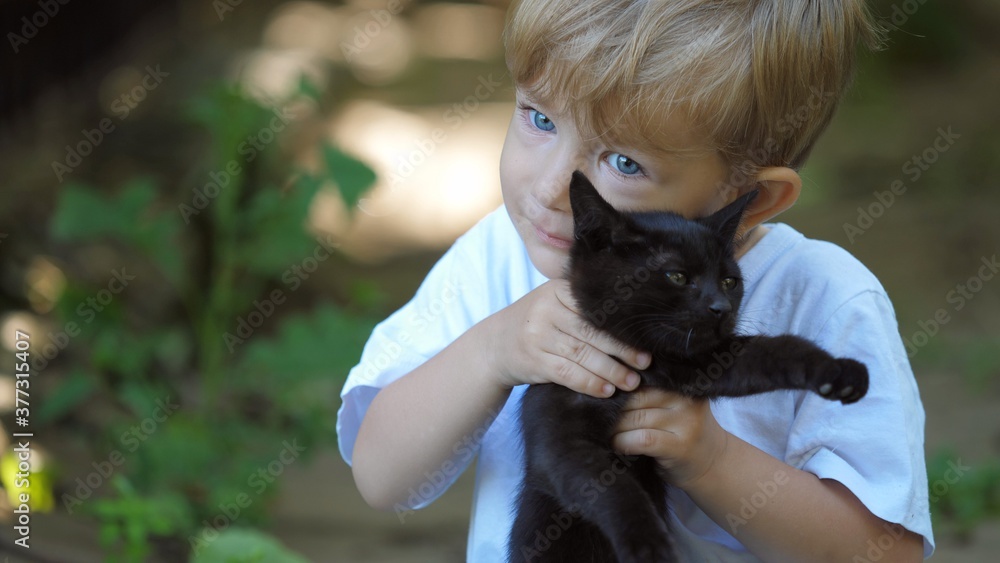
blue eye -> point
(624, 164)
(540, 120)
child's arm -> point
(805, 519)
(415, 425)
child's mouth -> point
(553, 241)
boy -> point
(680, 105)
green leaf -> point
(128, 353)
(109, 534)
(353, 177)
(83, 214)
(128, 518)
(209, 460)
(275, 227)
(326, 342)
(140, 398)
(243, 545)
(230, 116)
(76, 389)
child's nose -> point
(553, 186)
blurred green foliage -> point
(242, 396)
(280, 383)
(973, 358)
(962, 497)
(242, 545)
(128, 519)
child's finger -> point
(652, 418)
(568, 373)
(595, 361)
(654, 398)
(636, 359)
(587, 332)
(642, 441)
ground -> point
(321, 515)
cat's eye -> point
(624, 164)
(729, 283)
(677, 278)
(540, 120)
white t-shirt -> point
(792, 285)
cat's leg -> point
(757, 364)
(545, 532)
(604, 490)
(570, 459)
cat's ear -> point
(595, 222)
(726, 221)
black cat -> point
(670, 286)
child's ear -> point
(779, 188)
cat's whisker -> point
(662, 330)
(755, 326)
(687, 344)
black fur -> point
(581, 502)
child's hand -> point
(679, 432)
(542, 338)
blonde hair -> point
(760, 80)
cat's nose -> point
(720, 307)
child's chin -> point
(549, 261)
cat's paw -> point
(845, 380)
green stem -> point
(218, 310)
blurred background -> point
(207, 205)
